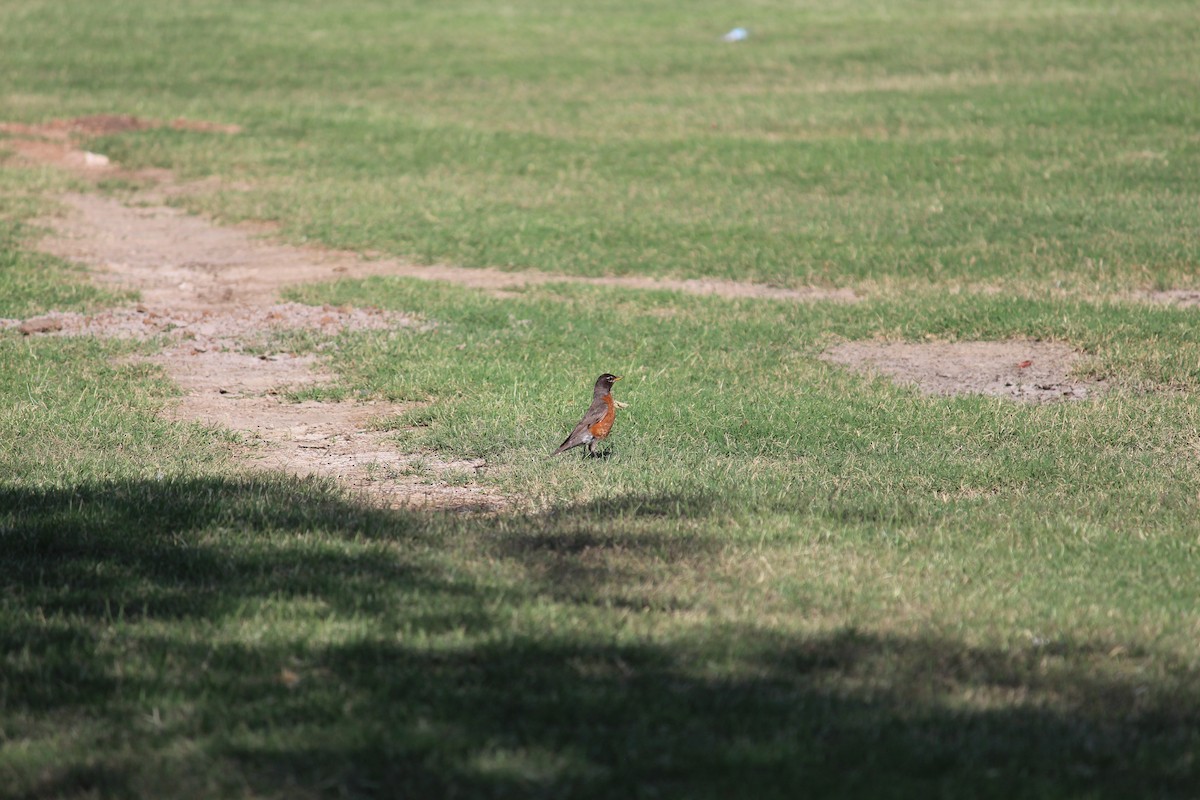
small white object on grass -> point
(736, 35)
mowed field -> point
(788, 579)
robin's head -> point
(605, 383)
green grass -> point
(840, 145)
(787, 579)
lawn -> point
(787, 579)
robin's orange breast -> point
(601, 428)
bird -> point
(598, 420)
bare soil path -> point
(211, 293)
(1028, 371)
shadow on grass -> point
(661, 505)
(168, 612)
(610, 551)
(196, 548)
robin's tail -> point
(573, 440)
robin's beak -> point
(618, 378)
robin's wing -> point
(593, 415)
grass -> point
(787, 579)
(950, 142)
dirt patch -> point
(233, 376)
(1029, 371)
(220, 328)
(1182, 298)
(334, 440)
(184, 262)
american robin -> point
(598, 420)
